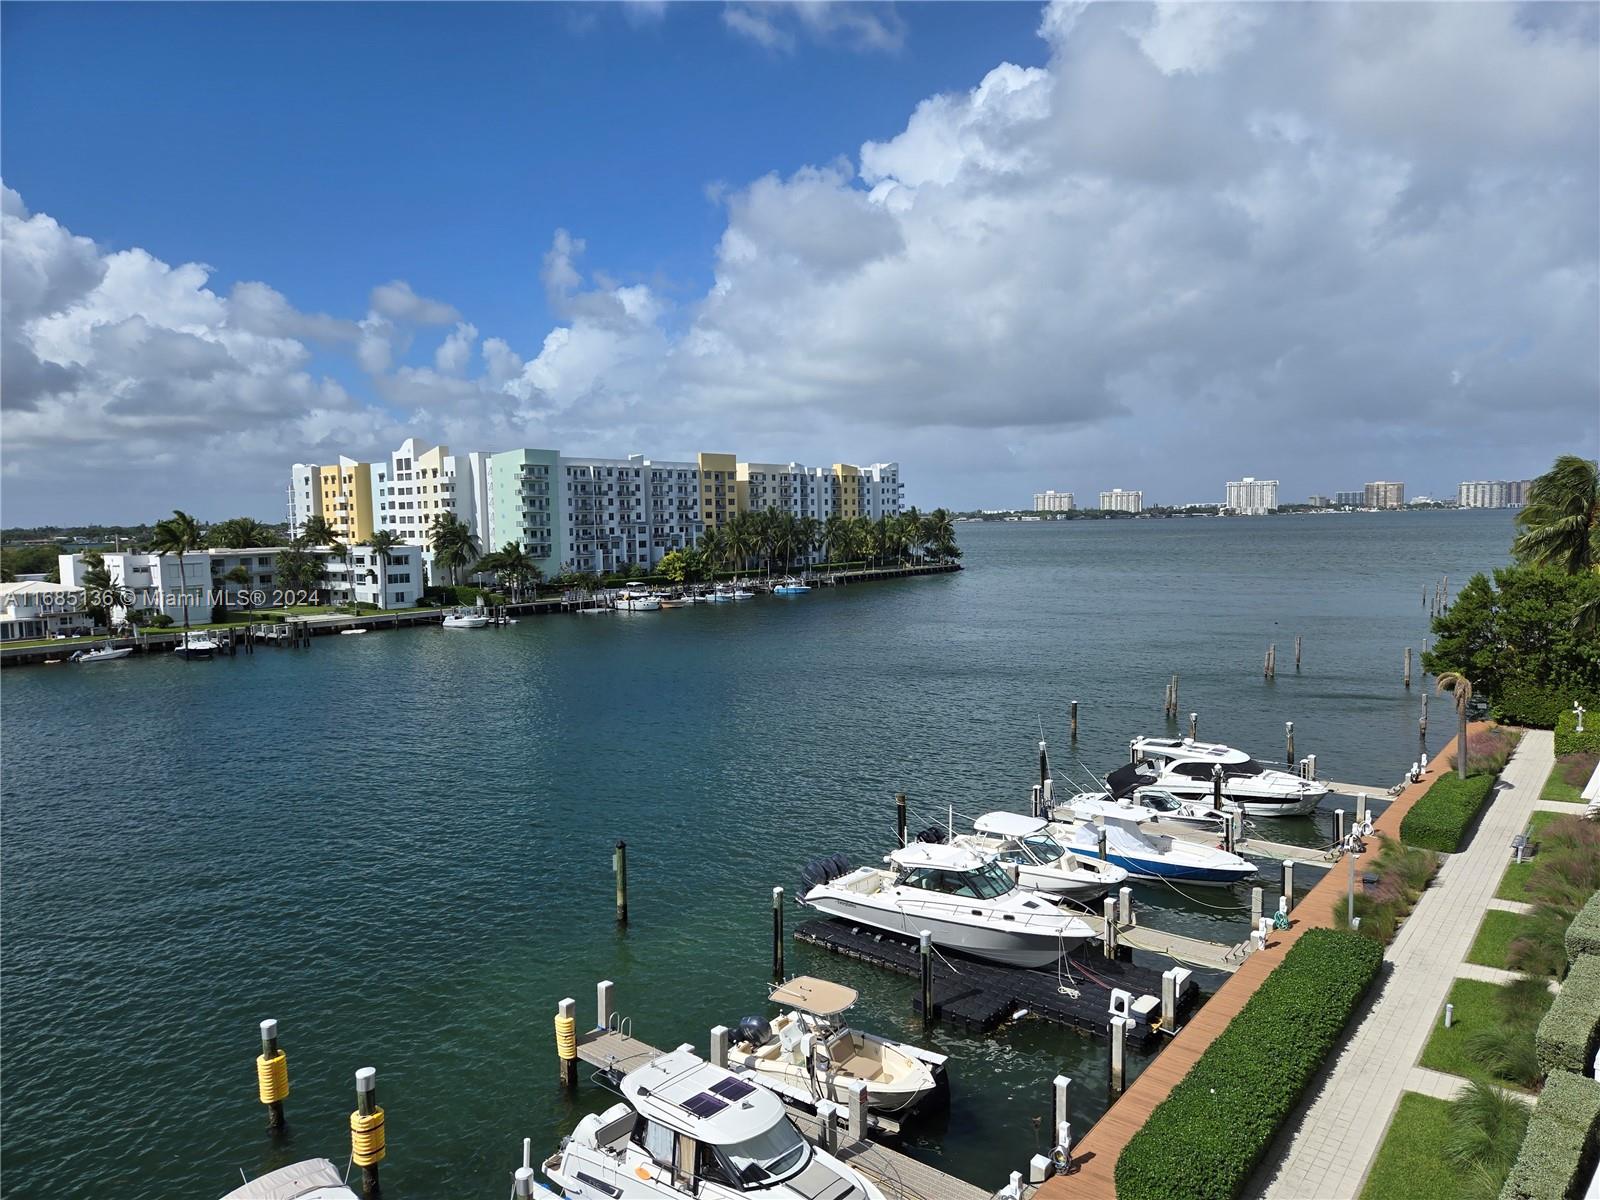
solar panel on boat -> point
(705, 1104)
(733, 1089)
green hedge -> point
(1583, 935)
(1561, 1142)
(1571, 1029)
(1439, 820)
(1203, 1141)
(1569, 740)
(1523, 703)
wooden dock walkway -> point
(1093, 1175)
(1252, 847)
(900, 1176)
(1183, 950)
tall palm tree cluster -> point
(1561, 521)
(771, 539)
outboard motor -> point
(754, 1030)
(823, 870)
(933, 833)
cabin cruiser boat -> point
(812, 1055)
(1142, 853)
(197, 645)
(1186, 769)
(791, 587)
(964, 898)
(465, 618)
(313, 1179)
(721, 594)
(632, 601)
(1127, 794)
(687, 1129)
(104, 653)
(1042, 863)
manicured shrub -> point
(1570, 1031)
(1569, 740)
(1402, 872)
(1559, 1148)
(1583, 935)
(1439, 820)
(1203, 1141)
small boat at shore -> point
(313, 1179)
(632, 601)
(1041, 863)
(465, 618)
(197, 645)
(100, 654)
(1189, 769)
(791, 587)
(811, 1054)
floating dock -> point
(899, 1176)
(1316, 856)
(979, 995)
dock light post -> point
(1350, 854)
(1449, 1015)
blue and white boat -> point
(1142, 853)
(791, 587)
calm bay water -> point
(399, 845)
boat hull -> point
(1018, 948)
(1255, 806)
(1172, 872)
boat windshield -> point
(1043, 847)
(771, 1156)
(1158, 800)
(1248, 767)
(984, 883)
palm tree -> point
(318, 532)
(382, 541)
(454, 546)
(179, 534)
(940, 535)
(1461, 687)
(510, 563)
(834, 535)
(100, 593)
(239, 577)
(713, 547)
(296, 569)
(1561, 521)
(741, 538)
(238, 532)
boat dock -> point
(978, 996)
(898, 1175)
(1253, 847)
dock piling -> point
(1060, 1101)
(567, 1043)
(1101, 838)
(1288, 884)
(777, 931)
(857, 1119)
(272, 1075)
(366, 1133)
(1109, 909)
(1408, 668)
(1255, 907)
(523, 1187)
(604, 992)
(619, 867)
(719, 1046)
(1194, 726)
(1119, 1052)
(1216, 787)
(1338, 826)
(1297, 654)
(925, 954)
(1074, 708)
(1125, 905)
(827, 1116)
(1169, 1001)
(900, 817)
(1361, 808)
(1288, 739)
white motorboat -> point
(632, 601)
(313, 1179)
(351, 632)
(1142, 853)
(100, 654)
(197, 645)
(465, 618)
(723, 594)
(964, 898)
(1042, 864)
(689, 1129)
(743, 593)
(808, 1053)
(1187, 769)
(791, 587)
(1127, 794)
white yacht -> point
(1042, 863)
(964, 898)
(106, 653)
(1127, 794)
(689, 1129)
(812, 1055)
(1186, 769)
(465, 618)
(196, 645)
(629, 600)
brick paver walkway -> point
(1332, 1144)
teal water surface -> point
(399, 845)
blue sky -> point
(1012, 246)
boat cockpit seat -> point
(616, 1127)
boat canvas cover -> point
(931, 854)
(314, 1179)
(1009, 824)
(1124, 780)
(815, 996)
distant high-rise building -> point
(1053, 501)
(1349, 499)
(1384, 494)
(1493, 493)
(1251, 496)
(1319, 501)
(1117, 500)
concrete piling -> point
(777, 933)
(1060, 1100)
(719, 1046)
(1169, 1001)
(1194, 726)
(827, 1116)
(619, 867)
(1101, 841)
(1297, 654)
(605, 1005)
(1288, 884)
(1125, 905)
(1255, 906)
(1361, 808)
(1408, 668)
(567, 1043)
(1119, 1053)
(1109, 910)
(856, 1124)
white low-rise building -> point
(32, 608)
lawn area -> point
(1568, 777)
(1477, 1009)
(1493, 943)
(1514, 882)
(1411, 1161)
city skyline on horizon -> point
(921, 234)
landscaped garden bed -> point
(1569, 775)
(1400, 874)
(1448, 1149)
(1492, 1032)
